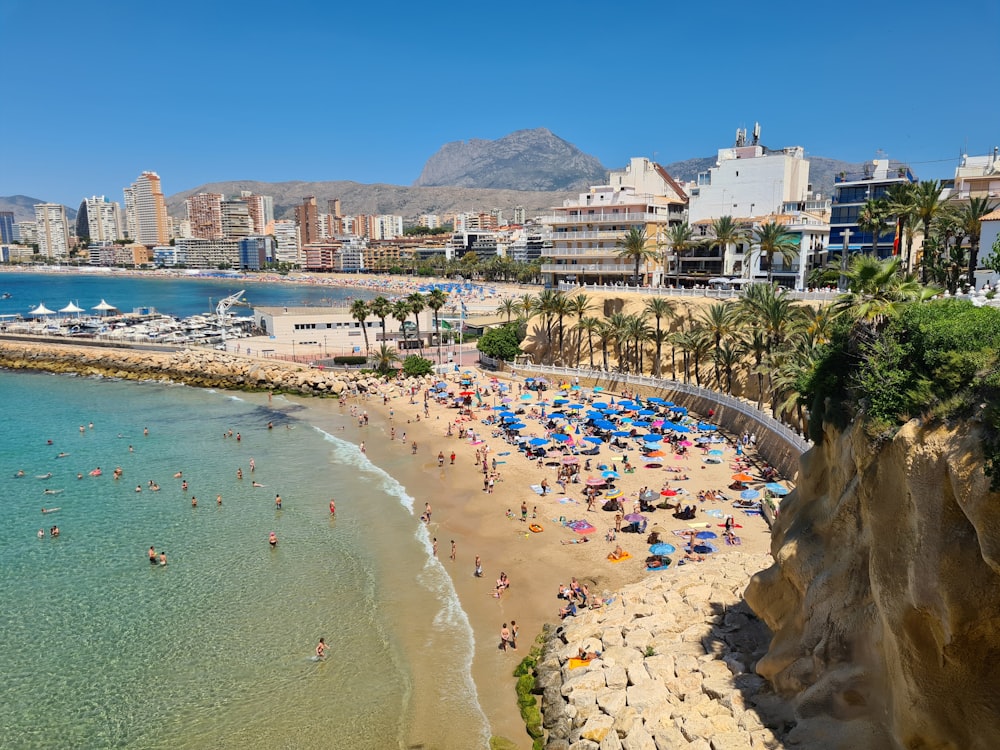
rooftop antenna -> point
(756, 133)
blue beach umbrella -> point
(750, 494)
(651, 438)
(600, 405)
(575, 406)
(776, 488)
(640, 424)
(610, 474)
(598, 388)
(680, 409)
(525, 397)
(516, 426)
(715, 452)
(678, 428)
(646, 412)
(656, 400)
(557, 415)
(593, 439)
(537, 441)
(560, 401)
(705, 548)
(603, 424)
(706, 535)
(620, 433)
(662, 548)
(558, 436)
(529, 380)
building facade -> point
(198, 253)
(286, 239)
(850, 193)
(146, 211)
(307, 218)
(53, 230)
(204, 212)
(261, 210)
(255, 252)
(6, 227)
(236, 221)
(104, 219)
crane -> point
(222, 310)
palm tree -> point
(590, 326)
(401, 311)
(726, 231)
(680, 238)
(546, 307)
(767, 307)
(729, 355)
(384, 358)
(926, 207)
(971, 217)
(381, 308)
(898, 200)
(772, 239)
(876, 291)
(579, 306)
(605, 335)
(437, 299)
(618, 323)
(561, 307)
(634, 246)
(509, 307)
(360, 311)
(718, 321)
(527, 305)
(756, 344)
(659, 308)
(417, 304)
(871, 219)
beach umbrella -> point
(635, 518)
(556, 415)
(714, 452)
(776, 488)
(678, 428)
(525, 397)
(656, 400)
(750, 494)
(529, 380)
(560, 401)
(662, 549)
(598, 388)
(655, 454)
(706, 535)
(600, 405)
(610, 474)
(516, 426)
(613, 495)
(103, 306)
(537, 441)
(652, 438)
(603, 424)
(646, 412)
(570, 460)
(668, 492)
(595, 482)
(640, 424)
(466, 393)
(42, 310)
(621, 433)
(703, 440)
(575, 388)
(561, 437)
(506, 400)
(575, 406)
(742, 477)
(705, 548)
(657, 423)
(564, 387)
(593, 439)
(705, 427)
(71, 308)
(680, 410)
(502, 409)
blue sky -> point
(320, 90)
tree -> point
(437, 299)
(579, 306)
(590, 326)
(726, 231)
(659, 308)
(993, 262)
(360, 311)
(971, 217)
(877, 292)
(417, 304)
(679, 238)
(633, 247)
(381, 308)
(384, 358)
(502, 342)
(899, 203)
(401, 311)
(509, 307)
(772, 239)
(871, 219)
(719, 320)
(415, 366)
(926, 207)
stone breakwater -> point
(675, 669)
(196, 367)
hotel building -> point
(103, 219)
(146, 211)
(204, 212)
(850, 193)
(53, 230)
(586, 231)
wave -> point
(434, 577)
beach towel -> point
(573, 662)
(505, 453)
(537, 489)
(734, 541)
(566, 500)
(714, 513)
(582, 527)
(699, 525)
(625, 556)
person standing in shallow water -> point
(277, 502)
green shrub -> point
(350, 359)
(415, 366)
(501, 343)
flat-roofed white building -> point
(53, 230)
(286, 241)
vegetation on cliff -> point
(938, 360)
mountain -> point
(822, 171)
(23, 207)
(359, 198)
(523, 160)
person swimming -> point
(321, 648)
(272, 539)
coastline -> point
(536, 563)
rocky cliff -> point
(884, 599)
(524, 160)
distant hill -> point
(822, 170)
(523, 160)
(23, 207)
(359, 198)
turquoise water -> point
(101, 649)
(170, 295)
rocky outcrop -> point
(197, 367)
(675, 670)
(884, 597)
(524, 160)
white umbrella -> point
(104, 306)
(42, 310)
(71, 308)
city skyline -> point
(846, 81)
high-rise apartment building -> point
(204, 211)
(431, 221)
(26, 232)
(53, 230)
(261, 208)
(146, 211)
(286, 240)
(99, 220)
(519, 215)
(236, 222)
(333, 206)
(307, 217)
(6, 227)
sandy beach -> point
(536, 563)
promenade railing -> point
(818, 295)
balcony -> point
(610, 234)
(608, 217)
(591, 268)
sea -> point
(101, 649)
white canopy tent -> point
(42, 310)
(71, 308)
(103, 307)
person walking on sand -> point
(504, 637)
(453, 550)
(427, 512)
(434, 547)
(524, 512)
(479, 567)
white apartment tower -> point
(286, 241)
(53, 230)
(146, 211)
(104, 219)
